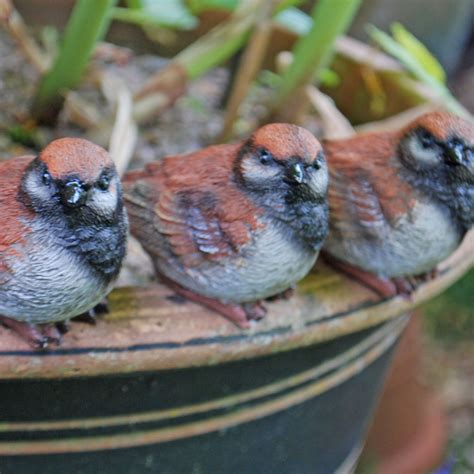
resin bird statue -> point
(231, 225)
(400, 202)
(62, 239)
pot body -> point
(300, 411)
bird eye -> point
(265, 157)
(46, 178)
(427, 140)
(318, 162)
(103, 183)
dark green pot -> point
(299, 411)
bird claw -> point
(240, 314)
(384, 287)
(254, 311)
(37, 336)
(90, 317)
(406, 286)
(284, 295)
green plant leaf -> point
(329, 78)
(294, 20)
(86, 26)
(22, 135)
(419, 51)
(313, 51)
(163, 14)
(284, 4)
(268, 78)
(198, 6)
(134, 4)
(411, 63)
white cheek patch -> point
(103, 202)
(424, 156)
(254, 171)
(36, 189)
(318, 179)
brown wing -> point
(354, 206)
(14, 215)
(194, 206)
(365, 193)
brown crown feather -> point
(75, 157)
(285, 141)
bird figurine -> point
(233, 224)
(400, 202)
(62, 239)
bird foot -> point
(284, 295)
(384, 287)
(404, 286)
(254, 311)
(90, 317)
(239, 314)
(426, 277)
(37, 336)
(407, 285)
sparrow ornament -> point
(400, 202)
(231, 225)
(63, 236)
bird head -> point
(283, 158)
(75, 177)
(438, 151)
(442, 144)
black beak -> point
(295, 173)
(73, 194)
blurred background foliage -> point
(198, 35)
(450, 316)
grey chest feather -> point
(412, 246)
(269, 265)
(49, 283)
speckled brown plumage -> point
(185, 199)
(401, 201)
(62, 238)
(218, 222)
(15, 216)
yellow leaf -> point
(419, 51)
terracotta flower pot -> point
(408, 433)
(286, 412)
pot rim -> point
(145, 331)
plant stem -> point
(215, 47)
(15, 25)
(312, 53)
(87, 25)
(134, 4)
(250, 63)
(220, 43)
(210, 50)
